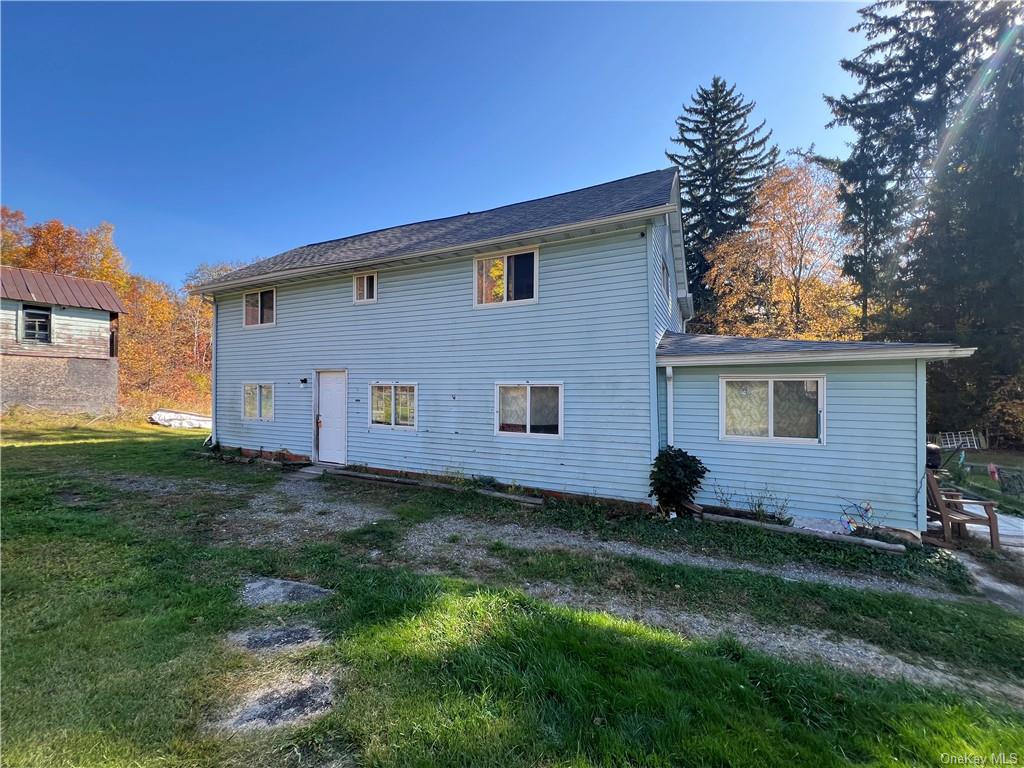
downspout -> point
(670, 437)
(213, 376)
(672, 235)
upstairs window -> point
(509, 279)
(36, 323)
(393, 405)
(364, 288)
(259, 307)
(789, 409)
(529, 409)
(258, 402)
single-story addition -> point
(543, 344)
(58, 341)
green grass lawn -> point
(114, 610)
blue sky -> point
(210, 132)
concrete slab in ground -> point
(261, 590)
(283, 702)
(290, 637)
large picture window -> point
(259, 307)
(258, 402)
(393, 405)
(508, 279)
(784, 408)
(528, 409)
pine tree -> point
(723, 163)
(939, 161)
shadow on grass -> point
(113, 655)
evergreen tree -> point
(723, 162)
(937, 171)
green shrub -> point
(675, 478)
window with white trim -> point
(364, 288)
(784, 408)
(36, 323)
(508, 279)
(258, 402)
(393, 405)
(259, 307)
(528, 409)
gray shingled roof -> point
(693, 344)
(636, 193)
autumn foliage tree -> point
(165, 337)
(781, 275)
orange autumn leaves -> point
(165, 342)
(781, 276)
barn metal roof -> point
(63, 290)
(634, 194)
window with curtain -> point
(773, 408)
(529, 409)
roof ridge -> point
(58, 274)
(475, 213)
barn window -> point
(259, 308)
(258, 402)
(508, 279)
(36, 323)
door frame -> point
(316, 410)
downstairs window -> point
(783, 408)
(529, 409)
(258, 402)
(393, 405)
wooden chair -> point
(948, 507)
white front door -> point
(332, 399)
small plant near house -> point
(724, 496)
(768, 507)
(675, 478)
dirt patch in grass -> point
(795, 643)
(296, 510)
(464, 543)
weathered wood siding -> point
(873, 413)
(590, 330)
(75, 332)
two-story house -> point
(58, 341)
(543, 344)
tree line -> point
(917, 235)
(164, 339)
